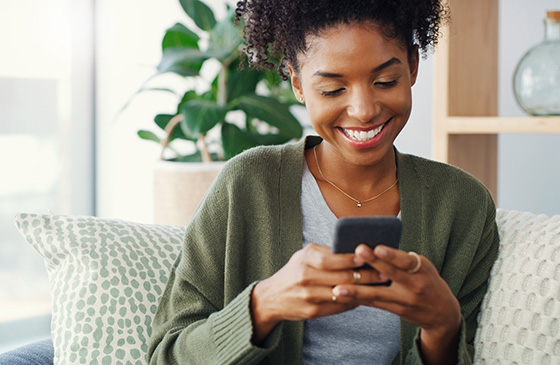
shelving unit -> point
(466, 122)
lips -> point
(362, 135)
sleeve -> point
(187, 331)
(472, 286)
(198, 320)
(476, 284)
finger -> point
(383, 297)
(310, 276)
(366, 277)
(418, 265)
(321, 257)
(337, 300)
(343, 295)
(425, 308)
(405, 261)
(393, 263)
(315, 302)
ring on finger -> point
(418, 263)
(334, 297)
(357, 276)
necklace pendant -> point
(359, 204)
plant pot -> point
(179, 188)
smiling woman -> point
(356, 84)
(273, 291)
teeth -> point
(363, 136)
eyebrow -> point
(384, 65)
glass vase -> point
(536, 81)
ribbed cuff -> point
(232, 329)
(463, 355)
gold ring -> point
(357, 276)
(418, 263)
(334, 298)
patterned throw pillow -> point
(519, 322)
(106, 278)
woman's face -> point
(357, 89)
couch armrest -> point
(37, 353)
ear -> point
(296, 83)
(413, 62)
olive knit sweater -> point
(250, 224)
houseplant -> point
(220, 114)
(265, 115)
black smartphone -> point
(352, 231)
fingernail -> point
(366, 254)
(357, 261)
(380, 251)
(340, 292)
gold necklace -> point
(359, 202)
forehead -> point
(349, 45)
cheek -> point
(323, 112)
(399, 100)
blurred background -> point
(67, 67)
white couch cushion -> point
(519, 320)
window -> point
(46, 144)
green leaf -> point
(141, 90)
(189, 95)
(235, 140)
(200, 13)
(182, 61)
(201, 116)
(163, 119)
(195, 157)
(224, 40)
(270, 139)
(241, 82)
(179, 36)
(279, 89)
(271, 111)
(149, 136)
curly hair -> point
(275, 31)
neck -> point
(360, 180)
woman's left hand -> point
(417, 294)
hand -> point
(422, 298)
(302, 289)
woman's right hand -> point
(302, 289)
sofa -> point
(106, 277)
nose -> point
(363, 105)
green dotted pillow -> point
(106, 278)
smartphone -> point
(352, 231)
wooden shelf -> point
(497, 125)
(465, 125)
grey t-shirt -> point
(364, 335)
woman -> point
(257, 282)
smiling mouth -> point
(362, 136)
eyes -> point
(331, 93)
(380, 84)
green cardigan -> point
(250, 224)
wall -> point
(129, 33)
(528, 168)
(46, 149)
